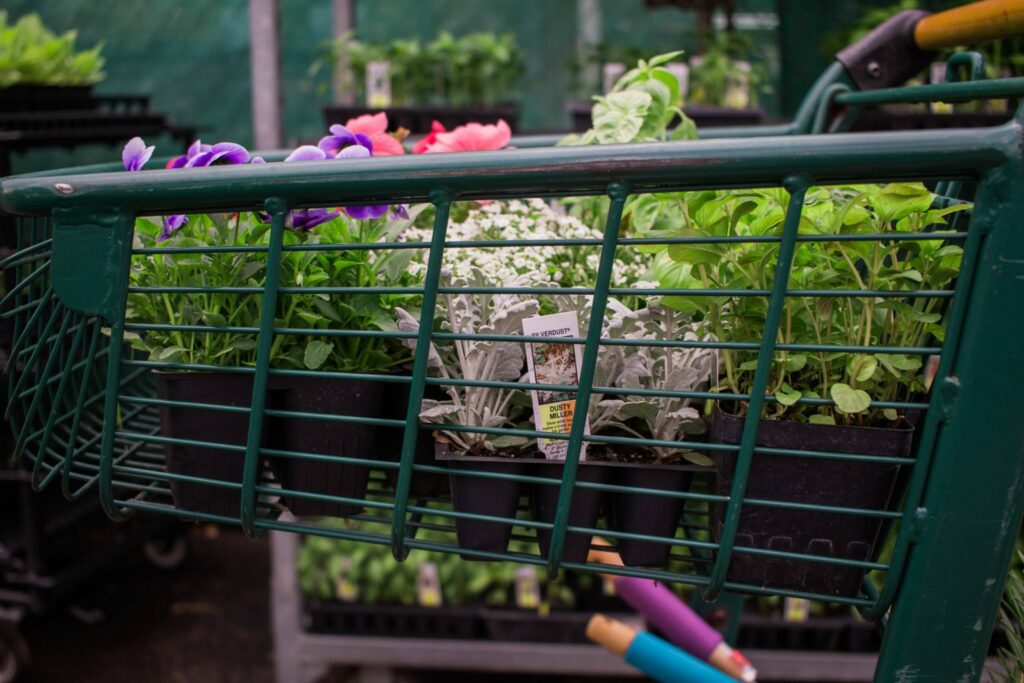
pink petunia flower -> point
(375, 127)
(430, 138)
(472, 137)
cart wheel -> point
(14, 655)
(165, 553)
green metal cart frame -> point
(87, 415)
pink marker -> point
(681, 625)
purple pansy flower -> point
(399, 212)
(195, 149)
(341, 138)
(366, 212)
(307, 153)
(171, 225)
(219, 154)
(135, 154)
(304, 220)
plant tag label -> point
(554, 363)
(527, 588)
(345, 589)
(378, 84)
(796, 610)
(428, 586)
(610, 75)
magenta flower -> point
(135, 154)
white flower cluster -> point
(526, 221)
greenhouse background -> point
(192, 57)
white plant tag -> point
(937, 74)
(527, 588)
(378, 84)
(796, 610)
(428, 586)
(345, 589)
(554, 363)
(610, 75)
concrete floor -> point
(207, 622)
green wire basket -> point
(95, 414)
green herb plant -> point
(854, 381)
(32, 54)
(378, 579)
(352, 268)
(726, 75)
(477, 69)
(1011, 618)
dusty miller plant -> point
(660, 368)
(647, 367)
(500, 314)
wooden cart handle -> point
(970, 24)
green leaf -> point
(695, 253)
(866, 366)
(170, 351)
(215, 320)
(787, 395)
(250, 269)
(698, 458)
(848, 400)
(664, 58)
(890, 414)
(619, 116)
(509, 441)
(819, 419)
(795, 362)
(317, 353)
(900, 361)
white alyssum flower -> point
(525, 221)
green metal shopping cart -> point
(224, 425)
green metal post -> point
(278, 209)
(797, 187)
(968, 521)
(442, 201)
(618, 194)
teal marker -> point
(658, 659)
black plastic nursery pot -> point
(648, 514)
(394, 621)
(817, 634)
(584, 511)
(330, 396)
(483, 496)
(863, 485)
(418, 119)
(26, 98)
(528, 626)
(423, 484)
(214, 426)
